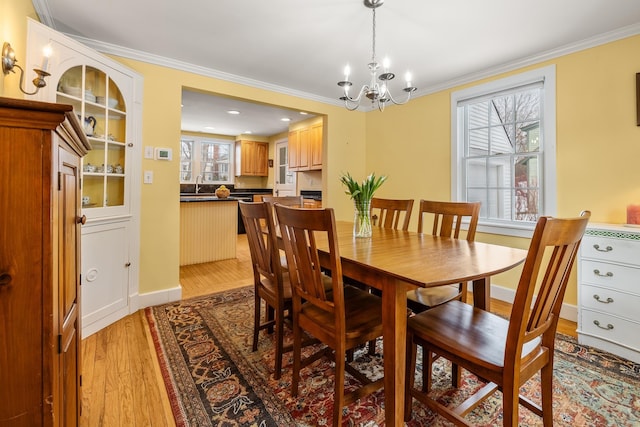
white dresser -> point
(609, 290)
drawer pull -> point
(608, 327)
(597, 298)
(597, 273)
(607, 249)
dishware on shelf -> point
(89, 125)
(89, 168)
(109, 169)
(118, 169)
(86, 200)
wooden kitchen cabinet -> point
(305, 148)
(315, 147)
(252, 158)
(40, 173)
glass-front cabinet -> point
(107, 98)
(102, 111)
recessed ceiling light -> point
(233, 112)
(209, 127)
(247, 131)
(304, 113)
(285, 119)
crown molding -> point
(44, 14)
(611, 36)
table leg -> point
(482, 293)
(394, 320)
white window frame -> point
(547, 75)
(196, 162)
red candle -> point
(633, 214)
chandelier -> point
(377, 90)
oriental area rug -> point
(214, 379)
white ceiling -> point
(301, 47)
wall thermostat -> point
(164, 153)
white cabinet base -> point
(609, 290)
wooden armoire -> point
(41, 146)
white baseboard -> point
(136, 302)
(568, 311)
(157, 297)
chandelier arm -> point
(392, 99)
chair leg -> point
(546, 384)
(338, 399)
(256, 320)
(279, 313)
(410, 377)
(427, 369)
(510, 402)
(297, 354)
(372, 348)
(270, 316)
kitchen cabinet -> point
(107, 98)
(609, 290)
(40, 369)
(315, 147)
(252, 158)
(305, 148)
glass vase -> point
(362, 219)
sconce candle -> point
(46, 53)
(633, 214)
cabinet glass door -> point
(102, 112)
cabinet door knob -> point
(597, 273)
(607, 249)
(608, 327)
(597, 298)
(82, 220)
(5, 279)
(128, 264)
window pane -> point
(502, 110)
(501, 139)
(500, 172)
(499, 204)
(478, 142)
(527, 105)
(478, 195)
(528, 137)
(476, 172)
(478, 115)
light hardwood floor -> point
(121, 381)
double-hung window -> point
(503, 150)
(208, 159)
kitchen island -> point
(208, 228)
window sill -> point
(506, 229)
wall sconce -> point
(9, 63)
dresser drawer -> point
(608, 275)
(610, 249)
(609, 301)
(610, 328)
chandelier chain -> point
(373, 44)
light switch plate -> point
(148, 152)
(148, 177)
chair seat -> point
(363, 315)
(460, 328)
(431, 297)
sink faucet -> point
(199, 177)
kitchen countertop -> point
(206, 198)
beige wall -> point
(598, 143)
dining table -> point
(396, 262)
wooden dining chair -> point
(503, 353)
(447, 218)
(271, 285)
(294, 201)
(386, 213)
(341, 318)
